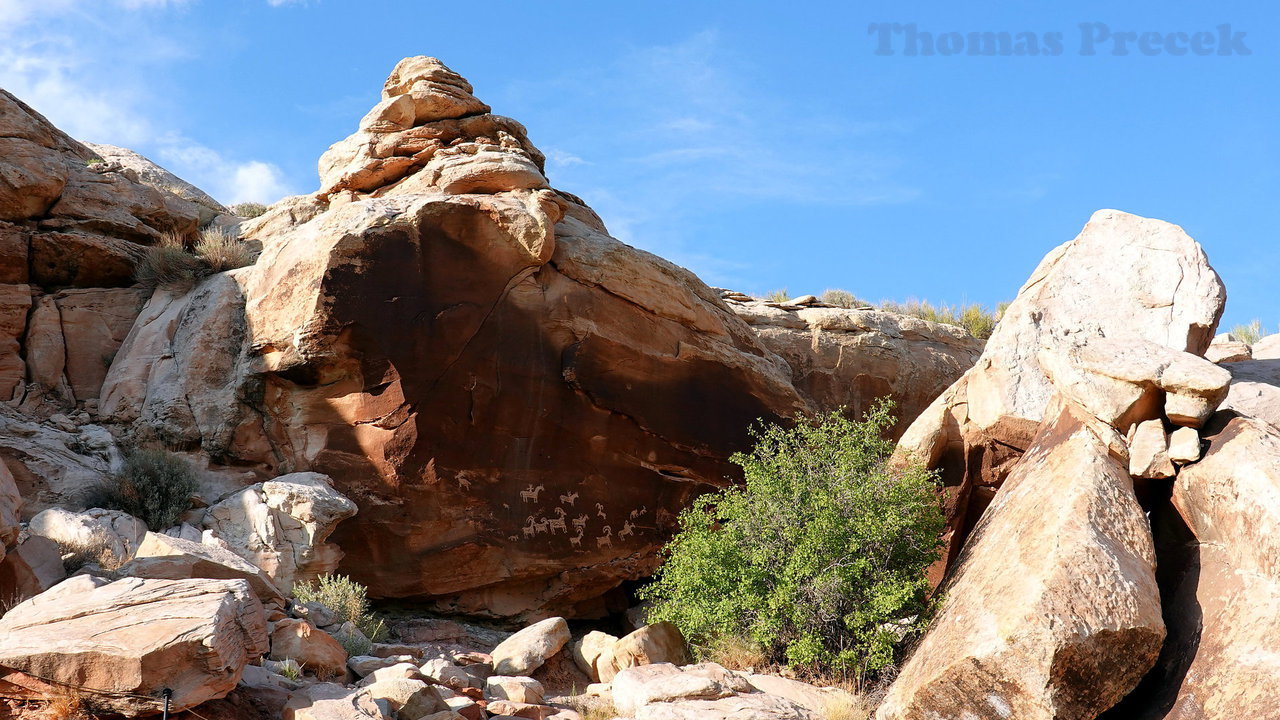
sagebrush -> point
(154, 486)
(812, 558)
(248, 209)
(349, 600)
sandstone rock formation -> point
(518, 403)
(849, 358)
(317, 652)
(71, 229)
(1124, 278)
(152, 175)
(1054, 610)
(281, 526)
(120, 643)
(1255, 390)
(525, 651)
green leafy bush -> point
(812, 559)
(154, 486)
(220, 250)
(349, 600)
(248, 209)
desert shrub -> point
(842, 298)
(154, 486)
(778, 296)
(349, 600)
(847, 707)
(248, 209)
(93, 161)
(168, 264)
(220, 250)
(974, 318)
(810, 559)
(94, 550)
(593, 707)
(1248, 334)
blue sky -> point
(762, 145)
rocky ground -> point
(444, 378)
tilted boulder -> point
(281, 526)
(172, 558)
(119, 644)
(525, 651)
(30, 568)
(152, 175)
(1125, 278)
(1053, 610)
(1224, 585)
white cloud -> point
(557, 158)
(93, 94)
(279, 3)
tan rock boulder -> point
(281, 526)
(1149, 452)
(1184, 446)
(94, 324)
(1127, 380)
(1224, 349)
(330, 701)
(33, 171)
(588, 650)
(636, 687)
(515, 689)
(120, 643)
(171, 558)
(1053, 610)
(315, 650)
(1255, 390)
(1220, 660)
(96, 531)
(755, 706)
(525, 651)
(1123, 277)
(30, 568)
(1268, 348)
(657, 643)
(83, 259)
(408, 698)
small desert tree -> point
(816, 558)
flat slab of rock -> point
(133, 636)
(330, 701)
(1255, 390)
(525, 651)
(172, 558)
(1054, 610)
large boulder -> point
(1223, 585)
(119, 644)
(110, 536)
(316, 651)
(10, 510)
(330, 701)
(30, 568)
(657, 643)
(1124, 278)
(174, 558)
(281, 526)
(1053, 610)
(527, 650)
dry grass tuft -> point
(169, 265)
(221, 251)
(736, 653)
(64, 707)
(95, 550)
